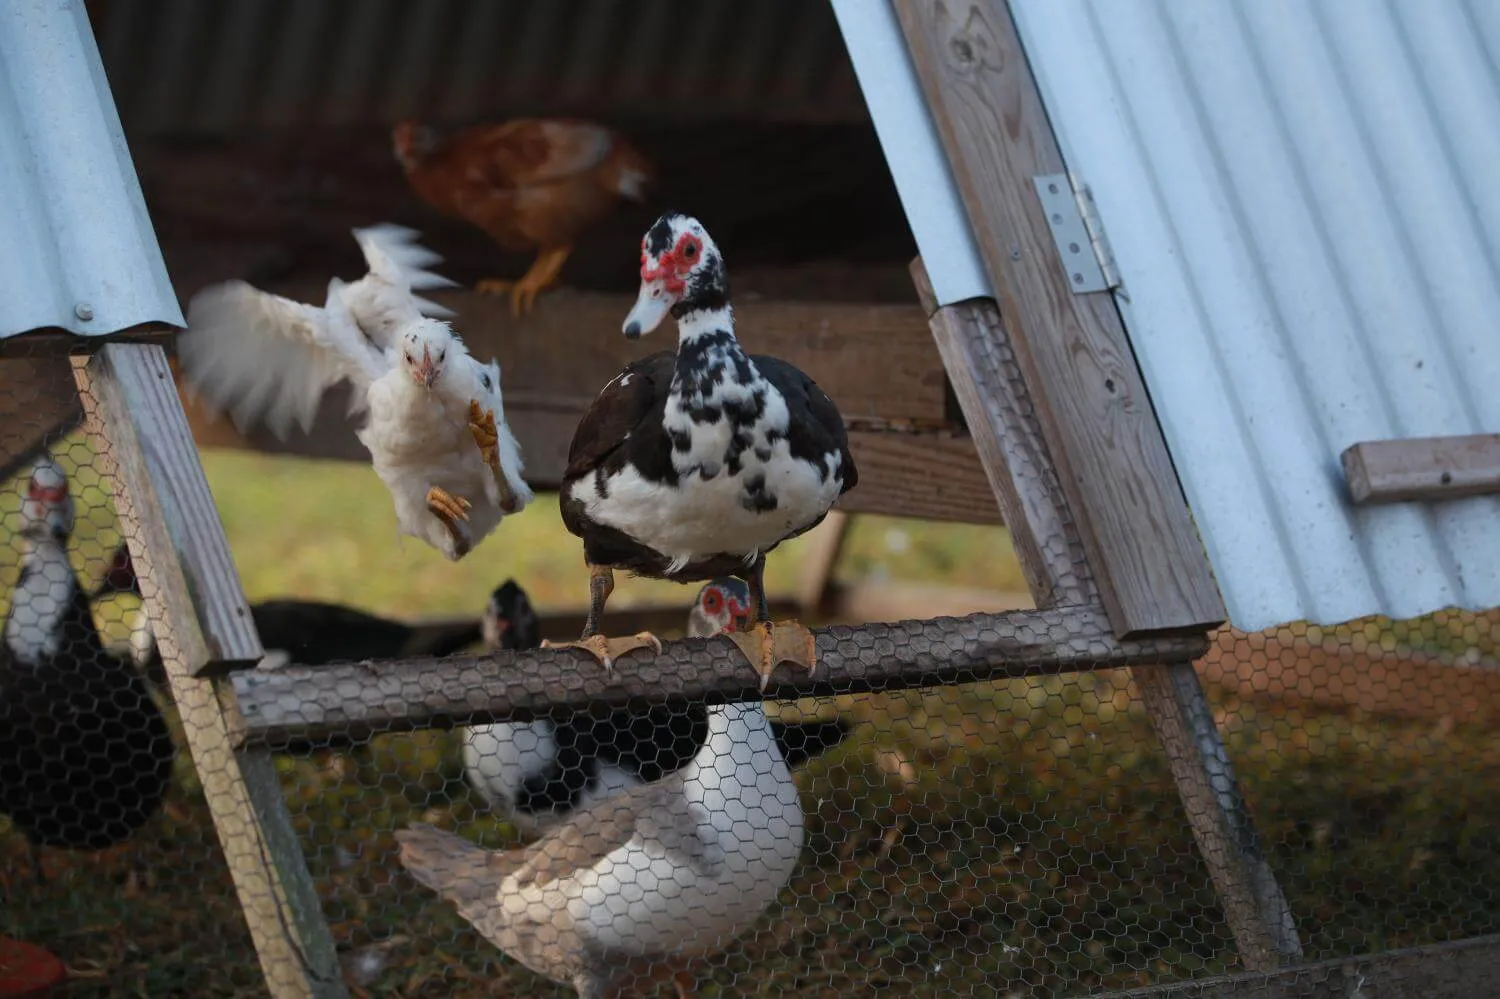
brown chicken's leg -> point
(765, 644)
(606, 650)
(487, 436)
(542, 275)
(452, 511)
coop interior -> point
(977, 836)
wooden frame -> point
(203, 625)
(1091, 402)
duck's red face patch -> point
(673, 267)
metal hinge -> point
(1077, 231)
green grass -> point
(1019, 837)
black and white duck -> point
(646, 881)
(85, 754)
(693, 464)
(536, 774)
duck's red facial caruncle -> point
(671, 251)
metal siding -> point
(913, 151)
(75, 224)
(1300, 198)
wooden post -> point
(203, 625)
(1091, 403)
(815, 593)
(998, 405)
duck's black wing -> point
(815, 427)
(606, 436)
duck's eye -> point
(485, 379)
(656, 293)
(690, 251)
(442, 354)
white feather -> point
(267, 359)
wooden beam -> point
(820, 558)
(1423, 468)
(1457, 970)
(1147, 559)
(931, 473)
(126, 389)
(310, 703)
(999, 411)
(1254, 906)
(977, 350)
(198, 612)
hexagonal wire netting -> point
(1015, 837)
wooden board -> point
(977, 349)
(312, 703)
(1423, 468)
(877, 362)
(1459, 970)
(200, 618)
(1097, 419)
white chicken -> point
(434, 417)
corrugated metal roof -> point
(1301, 199)
(78, 252)
(186, 67)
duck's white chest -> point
(739, 489)
(41, 599)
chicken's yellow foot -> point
(452, 511)
(766, 643)
(487, 436)
(607, 650)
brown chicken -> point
(528, 183)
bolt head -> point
(83, 311)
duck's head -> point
(509, 621)
(47, 509)
(722, 606)
(681, 272)
(425, 347)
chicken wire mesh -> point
(982, 837)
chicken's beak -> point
(427, 372)
(651, 307)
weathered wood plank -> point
(38, 404)
(1457, 970)
(820, 557)
(311, 703)
(996, 400)
(128, 388)
(998, 410)
(1423, 468)
(1147, 559)
(934, 475)
(198, 612)
(1254, 906)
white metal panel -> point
(77, 250)
(912, 149)
(1301, 199)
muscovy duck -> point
(85, 754)
(537, 774)
(641, 882)
(435, 426)
(694, 464)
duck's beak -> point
(651, 307)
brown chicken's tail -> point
(450, 865)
